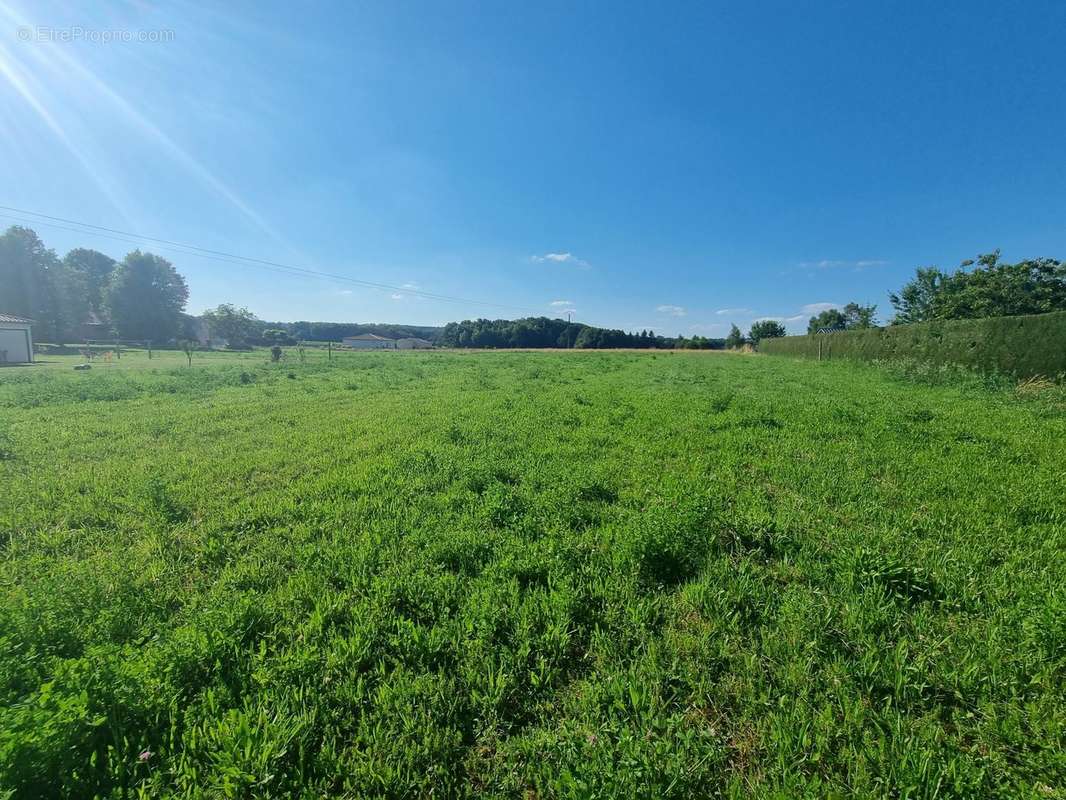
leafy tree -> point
(830, 318)
(852, 317)
(568, 335)
(699, 343)
(858, 317)
(38, 286)
(765, 329)
(95, 269)
(71, 302)
(587, 337)
(145, 297)
(236, 325)
(735, 338)
(26, 275)
(915, 301)
(992, 289)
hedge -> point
(1024, 346)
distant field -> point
(528, 574)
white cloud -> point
(345, 291)
(561, 258)
(673, 311)
(560, 303)
(734, 312)
(797, 318)
(818, 308)
(397, 296)
(410, 286)
(836, 263)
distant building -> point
(16, 343)
(369, 341)
(413, 343)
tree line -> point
(544, 332)
(88, 294)
(141, 297)
(992, 288)
(240, 327)
(336, 331)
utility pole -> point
(569, 333)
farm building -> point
(369, 341)
(413, 343)
(16, 343)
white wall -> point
(16, 340)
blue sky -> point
(676, 167)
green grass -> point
(535, 574)
(161, 359)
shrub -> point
(1022, 346)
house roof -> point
(369, 337)
(16, 320)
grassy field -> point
(529, 575)
(131, 358)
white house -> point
(413, 343)
(16, 344)
(369, 341)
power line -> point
(234, 258)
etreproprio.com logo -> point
(76, 33)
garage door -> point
(16, 344)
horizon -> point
(675, 172)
